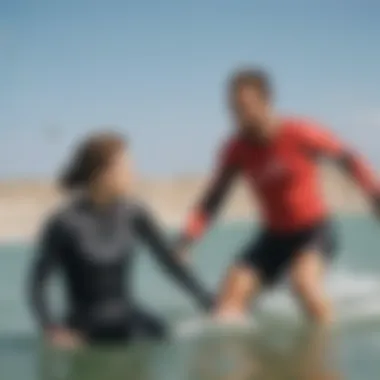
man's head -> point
(250, 94)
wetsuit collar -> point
(87, 203)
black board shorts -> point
(272, 253)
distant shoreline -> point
(24, 204)
(22, 239)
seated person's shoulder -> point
(59, 218)
(134, 207)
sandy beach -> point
(25, 203)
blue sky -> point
(157, 69)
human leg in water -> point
(260, 265)
(308, 270)
(307, 276)
(240, 286)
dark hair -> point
(255, 78)
(91, 157)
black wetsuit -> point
(93, 249)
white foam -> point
(356, 297)
(199, 326)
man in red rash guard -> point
(277, 157)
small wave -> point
(200, 326)
(356, 298)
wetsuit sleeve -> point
(320, 142)
(210, 202)
(45, 260)
(151, 234)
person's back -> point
(94, 249)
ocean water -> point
(279, 347)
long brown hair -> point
(90, 158)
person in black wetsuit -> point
(91, 241)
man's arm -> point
(323, 143)
(150, 233)
(207, 208)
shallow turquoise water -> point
(274, 352)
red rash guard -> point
(283, 176)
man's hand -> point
(64, 338)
